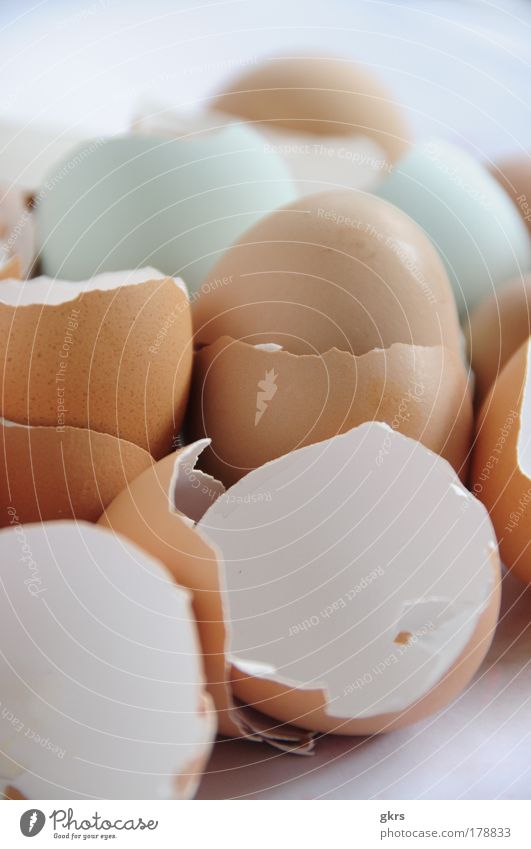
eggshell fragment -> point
(154, 512)
(17, 235)
(175, 203)
(258, 404)
(101, 670)
(514, 174)
(318, 95)
(337, 269)
(498, 326)
(501, 469)
(465, 212)
(47, 473)
(362, 583)
(112, 354)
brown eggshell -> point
(12, 269)
(307, 709)
(317, 95)
(501, 471)
(118, 359)
(142, 513)
(497, 328)
(514, 174)
(339, 269)
(47, 473)
(257, 405)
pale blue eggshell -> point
(175, 204)
(465, 212)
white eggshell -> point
(357, 554)
(102, 692)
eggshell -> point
(112, 354)
(11, 269)
(152, 512)
(318, 95)
(174, 203)
(362, 583)
(47, 473)
(465, 212)
(101, 670)
(337, 269)
(319, 164)
(514, 174)
(17, 234)
(258, 404)
(29, 151)
(498, 326)
(501, 468)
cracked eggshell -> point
(333, 162)
(112, 354)
(465, 212)
(362, 583)
(498, 326)
(501, 465)
(102, 682)
(339, 269)
(47, 473)
(172, 202)
(319, 96)
(157, 512)
(256, 405)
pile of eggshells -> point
(264, 502)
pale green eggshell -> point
(465, 212)
(175, 204)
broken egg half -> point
(320, 99)
(361, 583)
(258, 402)
(112, 354)
(51, 473)
(102, 682)
(501, 466)
(357, 581)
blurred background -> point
(459, 67)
